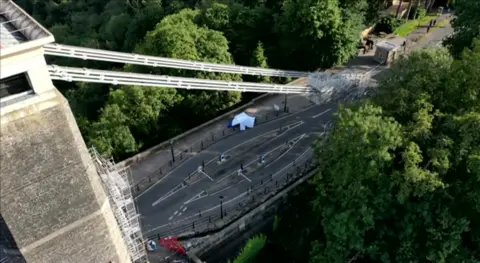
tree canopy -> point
(466, 25)
(290, 34)
(318, 33)
(400, 173)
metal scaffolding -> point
(117, 184)
(346, 85)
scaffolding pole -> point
(116, 182)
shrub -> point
(387, 24)
(422, 12)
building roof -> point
(19, 31)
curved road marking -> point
(224, 203)
(321, 113)
(172, 171)
(291, 147)
(198, 196)
(283, 117)
(181, 186)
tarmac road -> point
(171, 199)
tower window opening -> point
(14, 86)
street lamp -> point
(171, 150)
(221, 206)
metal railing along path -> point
(204, 222)
(143, 184)
(129, 58)
(126, 78)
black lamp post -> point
(171, 150)
(221, 206)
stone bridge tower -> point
(52, 201)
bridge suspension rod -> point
(137, 59)
(127, 78)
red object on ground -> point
(171, 243)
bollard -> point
(193, 225)
(171, 163)
(199, 213)
(276, 182)
(203, 164)
(201, 146)
(158, 236)
(261, 182)
(224, 212)
(160, 171)
(265, 190)
(271, 176)
(149, 179)
(266, 117)
(181, 156)
(138, 188)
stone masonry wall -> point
(50, 194)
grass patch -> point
(443, 23)
(411, 25)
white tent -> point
(244, 120)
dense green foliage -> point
(387, 24)
(400, 174)
(251, 250)
(291, 34)
(466, 25)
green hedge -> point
(387, 24)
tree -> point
(314, 34)
(466, 26)
(374, 8)
(251, 250)
(259, 60)
(177, 36)
(399, 7)
(399, 178)
(243, 26)
(111, 135)
(134, 118)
